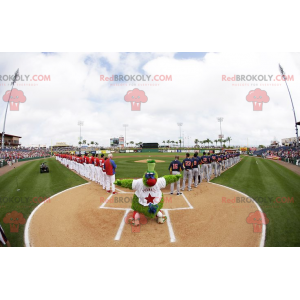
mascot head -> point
(150, 177)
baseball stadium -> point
(83, 178)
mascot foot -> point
(161, 219)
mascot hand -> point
(178, 176)
(117, 182)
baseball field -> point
(273, 186)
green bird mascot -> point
(148, 198)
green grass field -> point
(266, 179)
(253, 176)
(31, 184)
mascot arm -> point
(172, 178)
(126, 183)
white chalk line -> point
(171, 231)
(120, 230)
(189, 204)
(166, 210)
(263, 235)
(27, 226)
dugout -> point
(150, 147)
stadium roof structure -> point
(10, 135)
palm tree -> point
(96, 144)
(216, 142)
(92, 142)
(164, 142)
(196, 141)
(209, 141)
(220, 140)
(127, 144)
(79, 143)
(84, 142)
(229, 139)
(168, 142)
(131, 142)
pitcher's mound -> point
(145, 161)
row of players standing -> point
(100, 170)
(199, 168)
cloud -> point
(196, 96)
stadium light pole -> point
(180, 124)
(284, 78)
(125, 125)
(220, 120)
(80, 123)
(13, 82)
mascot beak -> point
(151, 181)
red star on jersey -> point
(149, 199)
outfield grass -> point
(31, 184)
(268, 180)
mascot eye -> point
(138, 97)
(254, 97)
(132, 97)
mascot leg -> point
(135, 220)
(161, 218)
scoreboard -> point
(150, 145)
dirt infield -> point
(146, 160)
(89, 216)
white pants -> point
(218, 169)
(195, 173)
(214, 166)
(205, 172)
(187, 174)
(92, 172)
(97, 174)
(177, 183)
(110, 179)
(104, 180)
(101, 178)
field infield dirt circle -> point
(146, 160)
(89, 216)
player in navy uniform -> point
(204, 169)
(227, 159)
(219, 164)
(187, 172)
(175, 168)
(213, 158)
(195, 168)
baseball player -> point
(92, 167)
(102, 173)
(195, 169)
(219, 164)
(110, 169)
(204, 169)
(3, 238)
(97, 169)
(213, 158)
(175, 168)
(187, 172)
